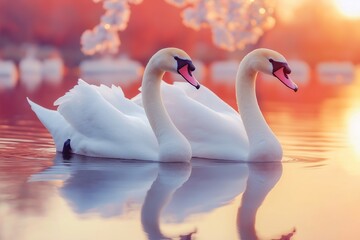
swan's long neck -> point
(173, 145)
(263, 145)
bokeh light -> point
(348, 8)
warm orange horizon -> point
(318, 31)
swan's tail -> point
(54, 122)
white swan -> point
(217, 131)
(101, 122)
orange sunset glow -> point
(323, 26)
(179, 119)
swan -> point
(101, 122)
(214, 129)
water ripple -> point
(22, 140)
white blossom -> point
(104, 37)
(234, 23)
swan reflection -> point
(262, 178)
(170, 177)
(171, 191)
(211, 185)
(107, 187)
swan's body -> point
(101, 122)
(217, 131)
(214, 129)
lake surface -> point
(313, 194)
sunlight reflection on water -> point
(313, 194)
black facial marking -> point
(278, 65)
(182, 62)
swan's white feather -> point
(100, 121)
(213, 128)
(58, 127)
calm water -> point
(313, 194)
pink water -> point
(313, 194)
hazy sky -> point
(311, 30)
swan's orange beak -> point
(185, 69)
(285, 79)
(281, 71)
(187, 75)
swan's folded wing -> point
(207, 98)
(207, 122)
(203, 95)
(115, 96)
(58, 127)
(87, 111)
(209, 114)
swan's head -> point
(177, 61)
(273, 63)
